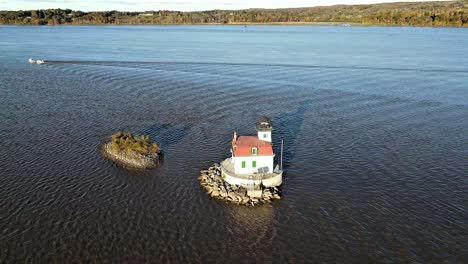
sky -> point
(181, 5)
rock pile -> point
(216, 187)
(131, 160)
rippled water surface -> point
(374, 122)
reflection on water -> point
(257, 225)
(374, 132)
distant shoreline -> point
(400, 14)
(212, 24)
(312, 24)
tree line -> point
(452, 13)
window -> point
(265, 135)
(254, 151)
(254, 164)
(243, 164)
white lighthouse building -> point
(252, 160)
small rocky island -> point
(133, 151)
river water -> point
(374, 122)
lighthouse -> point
(252, 161)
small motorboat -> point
(32, 61)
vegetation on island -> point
(142, 145)
(132, 151)
(441, 13)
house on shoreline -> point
(252, 162)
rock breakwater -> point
(212, 181)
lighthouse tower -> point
(264, 129)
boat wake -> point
(33, 61)
(346, 67)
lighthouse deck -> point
(271, 179)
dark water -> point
(374, 122)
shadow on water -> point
(287, 127)
(166, 134)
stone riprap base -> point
(130, 160)
(216, 187)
